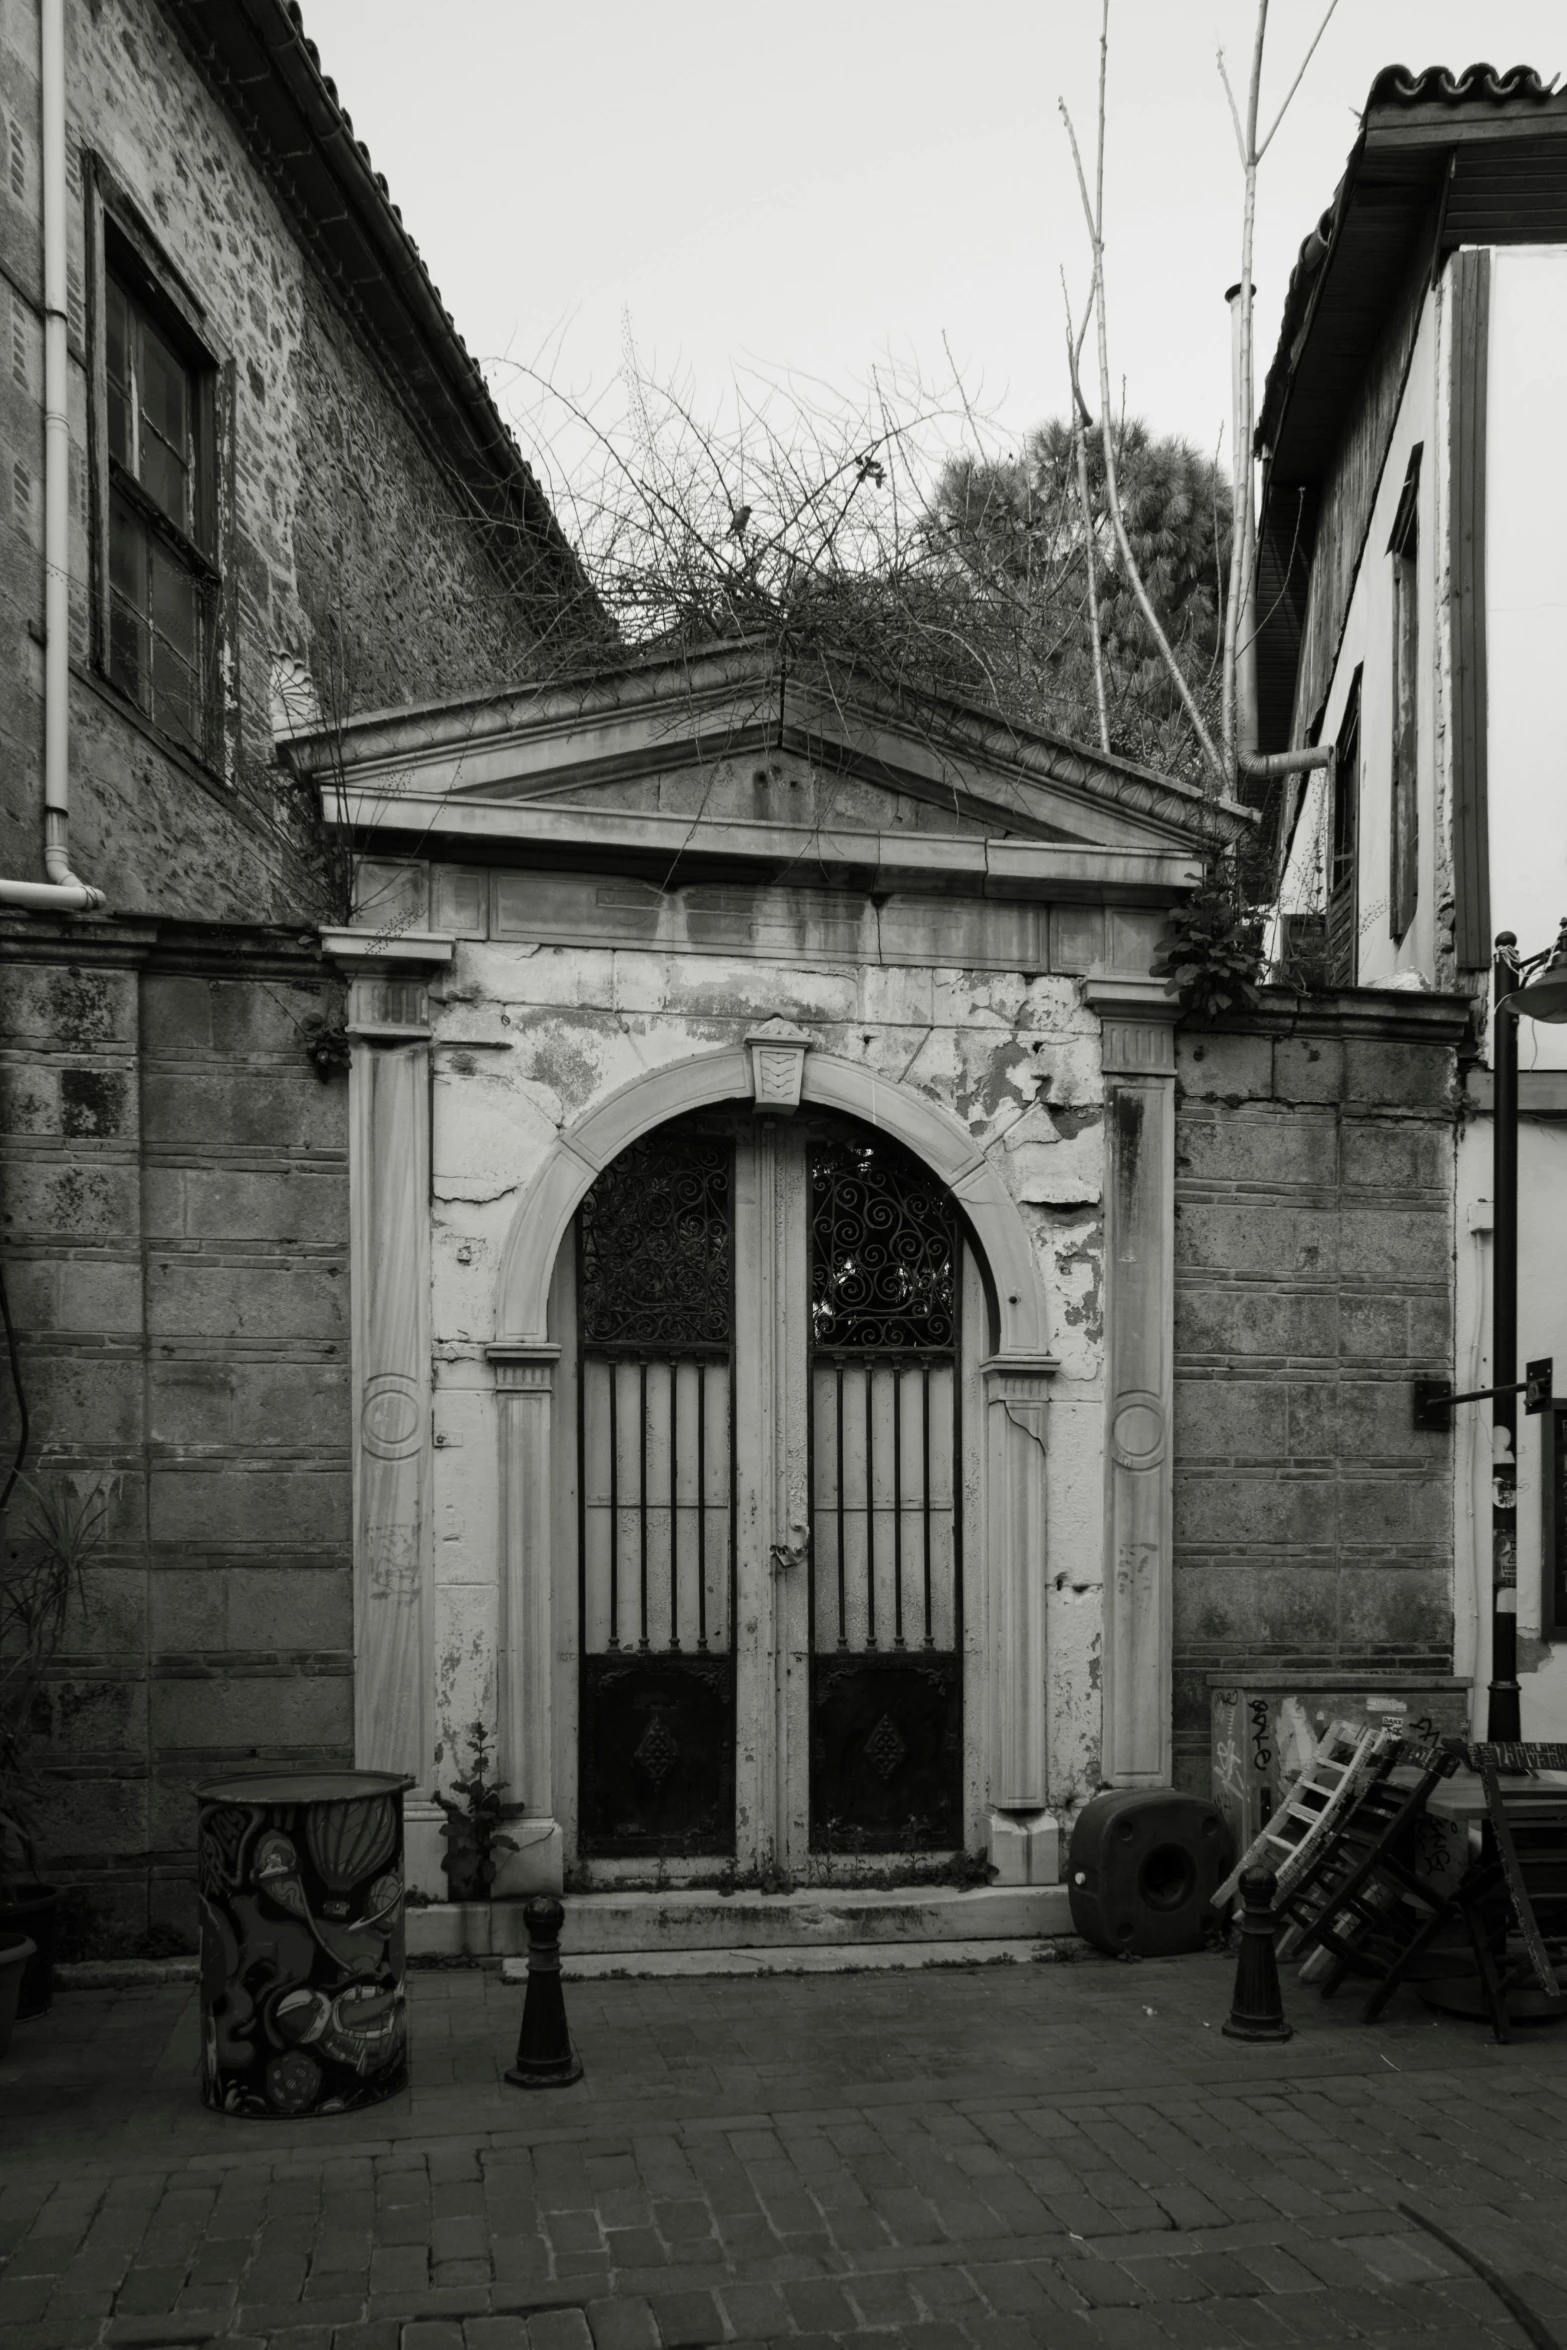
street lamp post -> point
(1536, 985)
(1502, 1716)
(1544, 997)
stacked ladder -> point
(1315, 1808)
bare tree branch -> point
(1112, 489)
(1080, 421)
(1295, 84)
(1235, 112)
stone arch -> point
(581, 1153)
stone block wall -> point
(174, 1179)
(173, 1172)
(1315, 1171)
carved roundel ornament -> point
(390, 1416)
(1137, 1431)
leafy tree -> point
(1015, 530)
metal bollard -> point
(545, 2057)
(1257, 2008)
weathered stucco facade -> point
(623, 899)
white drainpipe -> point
(64, 892)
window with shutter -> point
(1404, 551)
(162, 578)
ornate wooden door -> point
(769, 1537)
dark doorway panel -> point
(886, 1751)
(656, 1479)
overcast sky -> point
(818, 185)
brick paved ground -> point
(985, 2159)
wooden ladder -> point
(1317, 1802)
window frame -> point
(1341, 898)
(121, 246)
(1404, 779)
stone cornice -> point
(1130, 996)
(1137, 1024)
(921, 863)
(363, 951)
(227, 950)
(1402, 1015)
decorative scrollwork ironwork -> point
(656, 1234)
(884, 1249)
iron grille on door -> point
(655, 1290)
(886, 1577)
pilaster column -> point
(389, 1223)
(1138, 1059)
(525, 1399)
(1024, 1837)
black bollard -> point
(545, 2057)
(1257, 2011)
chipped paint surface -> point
(531, 1036)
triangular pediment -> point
(727, 749)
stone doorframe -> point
(390, 1033)
(776, 1069)
(1137, 1055)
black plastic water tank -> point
(1142, 1869)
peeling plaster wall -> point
(528, 1039)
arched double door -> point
(768, 1329)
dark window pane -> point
(117, 334)
(163, 478)
(174, 604)
(158, 614)
(175, 701)
(165, 388)
(119, 425)
(128, 650)
(127, 555)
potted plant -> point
(40, 1578)
(472, 1830)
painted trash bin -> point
(300, 1876)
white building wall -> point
(1542, 1330)
(1526, 609)
(1368, 639)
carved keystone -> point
(778, 1053)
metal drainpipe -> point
(1243, 528)
(64, 892)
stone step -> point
(821, 1918)
(838, 1958)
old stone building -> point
(784, 1229)
(278, 477)
(1413, 587)
(780, 1320)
